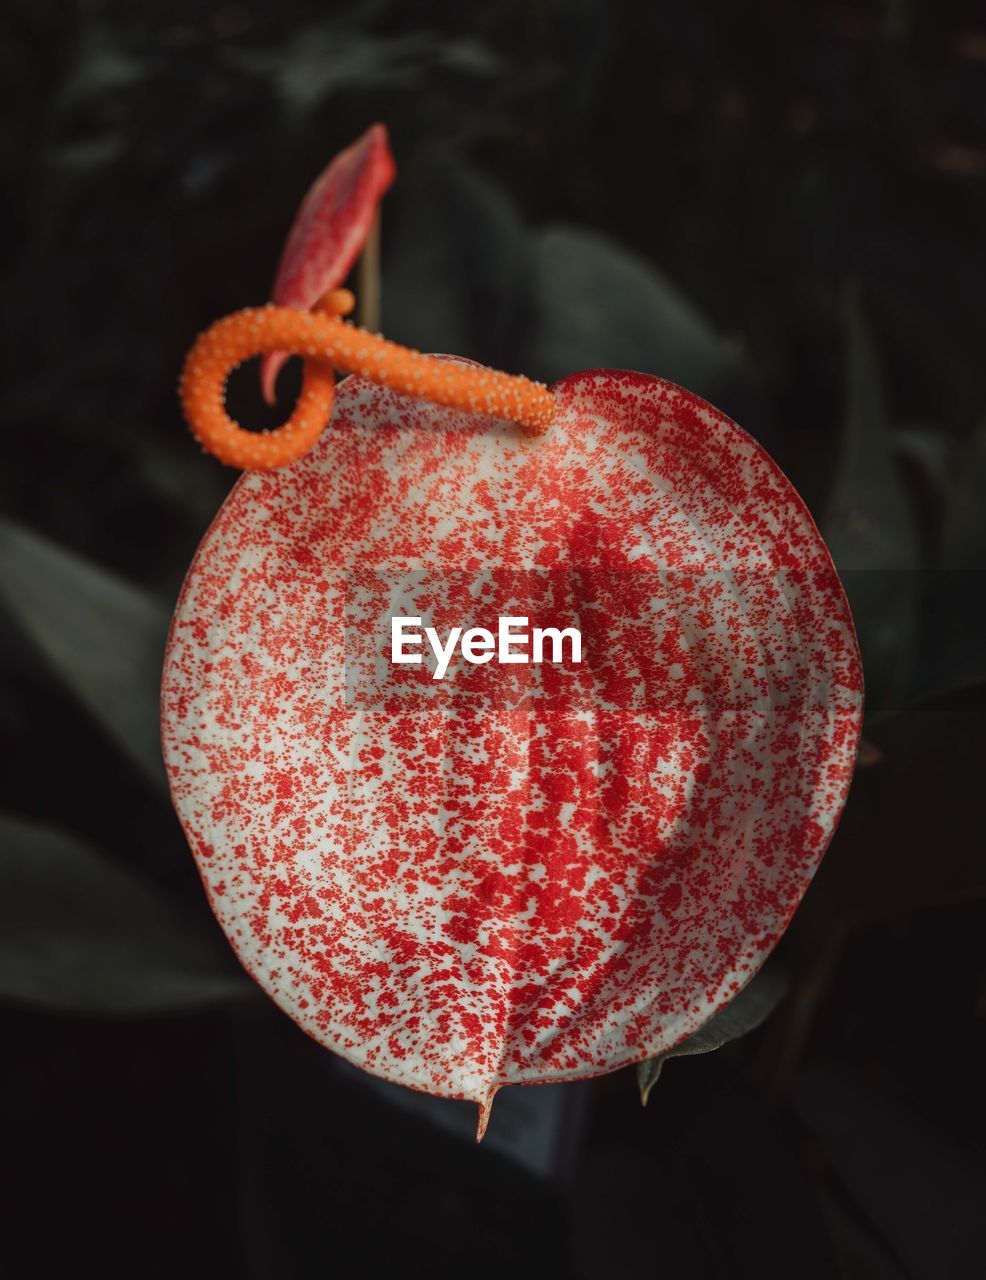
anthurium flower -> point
(515, 873)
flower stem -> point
(368, 286)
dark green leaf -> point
(102, 66)
(104, 637)
(931, 453)
(583, 31)
(871, 528)
(457, 262)
(921, 1194)
(910, 833)
(317, 62)
(964, 540)
(79, 934)
(601, 306)
(754, 1004)
(955, 619)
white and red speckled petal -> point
(515, 874)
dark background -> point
(780, 205)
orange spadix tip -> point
(339, 302)
(326, 342)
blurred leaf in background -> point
(744, 1013)
(104, 637)
(81, 935)
(871, 526)
(599, 307)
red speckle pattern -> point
(515, 874)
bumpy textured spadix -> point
(515, 874)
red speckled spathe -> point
(505, 877)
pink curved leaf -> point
(514, 874)
(329, 231)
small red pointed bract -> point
(329, 231)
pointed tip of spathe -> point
(485, 1107)
(378, 137)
